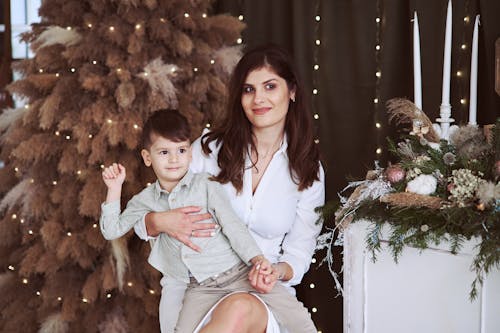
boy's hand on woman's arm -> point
(114, 176)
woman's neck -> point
(267, 140)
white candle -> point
(445, 100)
(473, 76)
(417, 74)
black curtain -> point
(347, 84)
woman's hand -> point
(263, 275)
(181, 224)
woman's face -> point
(265, 98)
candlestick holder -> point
(444, 129)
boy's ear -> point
(146, 157)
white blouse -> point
(281, 218)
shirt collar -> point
(185, 181)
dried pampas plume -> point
(469, 141)
(404, 111)
(125, 94)
(115, 322)
(120, 254)
(159, 77)
(56, 35)
(10, 116)
(226, 59)
(54, 324)
(15, 194)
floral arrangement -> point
(438, 191)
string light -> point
(316, 67)
(14, 216)
(463, 46)
(459, 73)
(136, 126)
(315, 91)
(84, 300)
(108, 295)
(89, 25)
(69, 234)
(111, 28)
(11, 268)
(318, 42)
(151, 291)
(463, 101)
(94, 225)
(313, 260)
(240, 17)
(54, 182)
(130, 284)
(68, 28)
(73, 69)
(90, 136)
(40, 70)
(314, 310)
(79, 172)
(38, 293)
(195, 69)
(239, 41)
(186, 15)
(25, 281)
(379, 151)
(207, 125)
(137, 26)
(57, 133)
(68, 137)
(378, 74)
(316, 116)
(212, 61)
(59, 298)
(30, 232)
(466, 19)
(312, 286)
(57, 74)
(204, 15)
(109, 121)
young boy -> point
(222, 264)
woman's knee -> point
(242, 309)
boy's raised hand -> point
(114, 176)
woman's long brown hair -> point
(234, 133)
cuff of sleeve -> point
(298, 273)
(111, 207)
(141, 231)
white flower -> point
(424, 228)
(423, 184)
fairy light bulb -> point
(377, 47)
(463, 101)
(57, 74)
(14, 216)
(239, 41)
(378, 74)
(59, 298)
(89, 25)
(316, 141)
(378, 151)
(109, 121)
(312, 286)
(212, 61)
(137, 26)
(94, 225)
(314, 310)
(207, 125)
(25, 281)
(316, 116)
(186, 15)
(40, 70)
(240, 17)
(68, 28)
(54, 182)
(38, 293)
(375, 100)
(111, 28)
(151, 291)
(316, 67)
(204, 15)
(377, 19)
(130, 284)
(317, 18)
(69, 233)
(108, 295)
(84, 300)
(11, 268)
(195, 69)
(313, 260)
(73, 69)
(463, 46)
(466, 19)
(30, 232)
(136, 126)
(318, 42)
(378, 125)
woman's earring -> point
(292, 99)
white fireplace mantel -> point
(425, 292)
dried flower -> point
(449, 158)
(395, 173)
(424, 228)
(423, 184)
(465, 186)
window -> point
(22, 14)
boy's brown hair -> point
(169, 124)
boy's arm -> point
(112, 224)
(233, 228)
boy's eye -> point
(163, 152)
(182, 150)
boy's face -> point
(170, 160)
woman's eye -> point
(247, 89)
(270, 86)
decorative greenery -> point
(445, 191)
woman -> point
(264, 154)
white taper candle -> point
(473, 75)
(417, 72)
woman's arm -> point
(180, 223)
(299, 243)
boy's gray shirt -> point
(168, 255)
